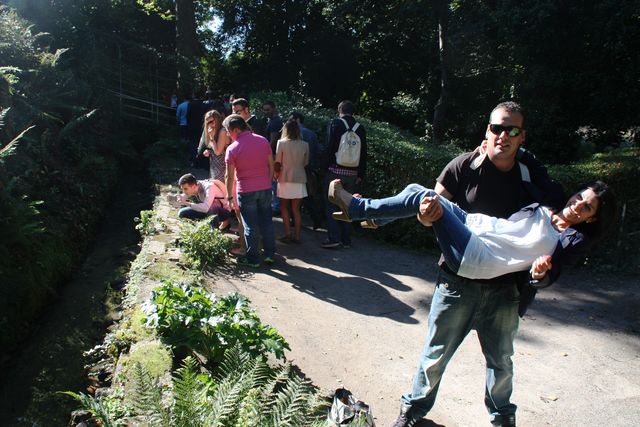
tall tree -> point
(187, 46)
(439, 115)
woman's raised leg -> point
(450, 230)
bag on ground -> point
(347, 411)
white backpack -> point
(348, 153)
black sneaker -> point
(508, 420)
(328, 244)
(246, 263)
(405, 419)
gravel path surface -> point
(357, 317)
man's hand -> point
(540, 266)
(182, 200)
(206, 153)
(430, 210)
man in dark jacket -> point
(339, 232)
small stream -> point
(51, 360)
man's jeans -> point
(339, 231)
(189, 213)
(255, 210)
(459, 305)
(451, 231)
(275, 202)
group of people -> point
(261, 168)
(504, 227)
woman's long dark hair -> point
(291, 130)
(605, 215)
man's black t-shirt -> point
(257, 126)
(484, 189)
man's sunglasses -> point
(510, 130)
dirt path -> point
(357, 317)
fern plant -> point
(95, 406)
(244, 392)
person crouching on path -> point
(249, 158)
(292, 155)
(210, 199)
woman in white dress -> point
(292, 155)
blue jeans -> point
(189, 213)
(275, 202)
(338, 231)
(451, 231)
(459, 305)
(255, 210)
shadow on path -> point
(357, 294)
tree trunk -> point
(187, 48)
(440, 111)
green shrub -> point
(154, 356)
(191, 319)
(620, 169)
(148, 223)
(204, 246)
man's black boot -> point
(405, 418)
(508, 420)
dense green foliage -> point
(570, 64)
(58, 162)
(191, 319)
(204, 245)
(244, 391)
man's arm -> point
(205, 205)
(228, 180)
(542, 188)
(430, 207)
(271, 165)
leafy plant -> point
(98, 410)
(203, 245)
(191, 319)
(146, 223)
(244, 392)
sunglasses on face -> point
(510, 130)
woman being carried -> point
(478, 246)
